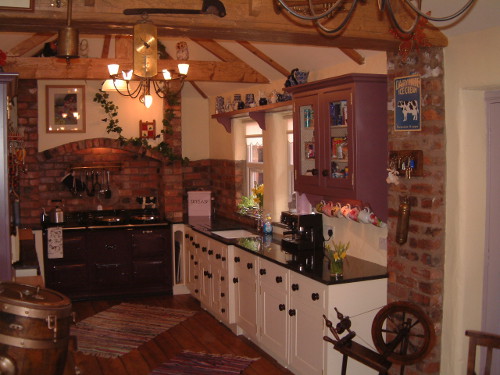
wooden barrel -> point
(34, 330)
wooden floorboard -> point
(199, 333)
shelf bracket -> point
(226, 122)
(259, 117)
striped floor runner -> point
(191, 363)
(121, 328)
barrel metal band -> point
(33, 313)
(32, 344)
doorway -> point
(491, 293)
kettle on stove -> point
(57, 214)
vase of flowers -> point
(336, 255)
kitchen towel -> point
(54, 243)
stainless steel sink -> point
(235, 233)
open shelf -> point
(257, 113)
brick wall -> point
(416, 268)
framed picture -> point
(309, 150)
(147, 129)
(17, 5)
(407, 99)
(65, 109)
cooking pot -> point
(57, 215)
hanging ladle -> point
(107, 193)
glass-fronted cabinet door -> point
(306, 136)
(339, 144)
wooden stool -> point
(477, 338)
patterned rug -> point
(191, 363)
(121, 328)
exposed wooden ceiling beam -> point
(90, 68)
(200, 91)
(105, 47)
(368, 29)
(354, 55)
(216, 49)
(28, 44)
(261, 55)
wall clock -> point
(145, 50)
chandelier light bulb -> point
(127, 76)
(148, 100)
(113, 69)
(166, 74)
(183, 68)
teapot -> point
(57, 215)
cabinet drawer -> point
(307, 291)
(273, 275)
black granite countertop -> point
(269, 247)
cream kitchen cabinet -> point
(291, 318)
(246, 297)
(208, 274)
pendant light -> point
(67, 41)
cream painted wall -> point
(130, 112)
(195, 124)
(471, 69)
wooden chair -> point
(478, 338)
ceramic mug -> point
(345, 210)
(336, 210)
(328, 208)
(339, 212)
(366, 216)
(353, 214)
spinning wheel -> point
(401, 331)
(409, 333)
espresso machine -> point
(304, 237)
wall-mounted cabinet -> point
(340, 139)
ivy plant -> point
(113, 126)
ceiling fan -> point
(214, 7)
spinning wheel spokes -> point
(403, 333)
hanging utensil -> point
(107, 193)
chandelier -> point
(321, 11)
(141, 81)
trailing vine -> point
(113, 126)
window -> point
(289, 134)
(255, 156)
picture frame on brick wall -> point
(407, 96)
(65, 109)
(28, 5)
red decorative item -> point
(3, 58)
(416, 40)
(147, 129)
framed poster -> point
(17, 5)
(65, 110)
(407, 97)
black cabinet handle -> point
(222, 278)
(210, 252)
(196, 277)
(249, 266)
(235, 280)
(279, 279)
(325, 172)
(191, 238)
(205, 273)
(186, 235)
(262, 271)
(223, 294)
(282, 306)
(110, 247)
(196, 290)
(315, 296)
(223, 259)
(192, 256)
(222, 310)
(204, 249)
(196, 263)
(291, 312)
(236, 259)
(313, 171)
(210, 275)
(217, 256)
(295, 287)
